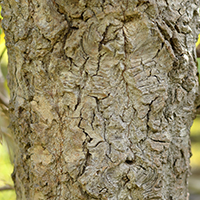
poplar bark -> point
(102, 97)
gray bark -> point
(102, 97)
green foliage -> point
(6, 169)
(198, 61)
(195, 131)
(0, 14)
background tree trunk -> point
(102, 97)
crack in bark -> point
(79, 99)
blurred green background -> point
(6, 185)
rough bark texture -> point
(102, 97)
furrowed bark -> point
(102, 97)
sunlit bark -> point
(102, 97)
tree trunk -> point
(102, 97)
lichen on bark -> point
(102, 97)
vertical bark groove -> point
(102, 97)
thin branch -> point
(6, 187)
(4, 100)
(4, 50)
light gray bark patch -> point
(50, 23)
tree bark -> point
(102, 97)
